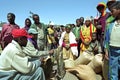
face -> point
(67, 29)
(115, 12)
(10, 18)
(87, 22)
(34, 36)
(78, 22)
(109, 4)
(51, 26)
(100, 9)
(94, 36)
(81, 19)
(27, 22)
(22, 41)
(36, 19)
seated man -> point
(14, 65)
(94, 46)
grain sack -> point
(98, 77)
(96, 63)
(69, 63)
(84, 58)
(105, 69)
(84, 72)
(69, 76)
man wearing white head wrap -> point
(86, 34)
(50, 36)
(87, 18)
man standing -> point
(40, 27)
(76, 31)
(14, 64)
(50, 36)
(86, 34)
(6, 36)
(112, 43)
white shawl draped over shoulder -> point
(71, 40)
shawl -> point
(73, 43)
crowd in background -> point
(24, 50)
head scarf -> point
(104, 5)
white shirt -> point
(13, 59)
(115, 35)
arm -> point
(22, 65)
(32, 52)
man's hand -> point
(106, 55)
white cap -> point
(88, 18)
(32, 31)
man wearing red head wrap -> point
(14, 64)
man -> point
(40, 27)
(112, 43)
(109, 20)
(14, 64)
(6, 36)
(76, 31)
(86, 34)
(101, 23)
(50, 36)
(81, 21)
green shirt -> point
(76, 31)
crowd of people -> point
(25, 50)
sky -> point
(57, 11)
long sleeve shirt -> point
(31, 51)
(12, 59)
(6, 36)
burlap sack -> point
(69, 63)
(84, 58)
(84, 72)
(98, 77)
(105, 69)
(69, 76)
(96, 63)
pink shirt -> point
(6, 36)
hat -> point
(68, 26)
(88, 18)
(101, 4)
(20, 33)
(32, 31)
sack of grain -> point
(96, 63)
(99, 77)
(84, 72)
(69, 63)
(84, 58)
(69, 76)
